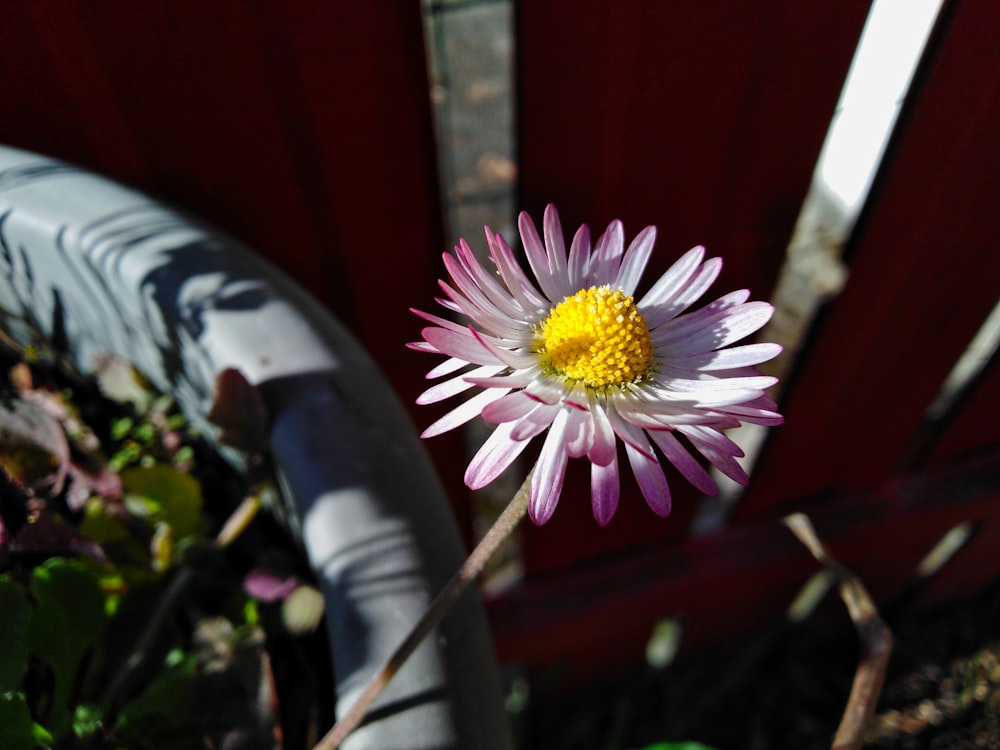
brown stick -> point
(876, 639)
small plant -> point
(130, 617)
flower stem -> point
(466, 574)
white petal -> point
(514, 277)
(460, 344)
(511, 407)
(604, 447)
(536, 421)
(579, 431)
(508, 379)
(690, 293)
(510, 358)
(723, 359)
(579, 257)
(538, 259)
(555, 247)
(460, 415)
(550, 473)
(606, 260)
(673, 280)
(450, 365)
(486, 281)
(494, 455)
(634, 262)
(443, 390)
(680, 336)
(697, 386)
(631, 435)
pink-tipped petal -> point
(464, 413)
(651, 479)
(690, 469)
(461, 345)
(493, 457)
(538, 259)
(605, 489)
(511, 407)
(550, 473)
(604, 447)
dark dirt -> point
(786, 689)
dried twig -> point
(876, 639)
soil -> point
(786, 689)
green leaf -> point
(87, 720)
(170, 496)
(678, 746)
(18, 731)
(161, 717)
(16, 609)
(68, 620)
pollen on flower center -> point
(597, 337)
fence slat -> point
(705, 119)
(974, 423)
(923, 278)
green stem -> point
(466, 574)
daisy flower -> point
(574, 354)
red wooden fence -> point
(306, 132)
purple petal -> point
(690, 469)
(266, 586)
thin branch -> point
(876, 639)
(466, 574)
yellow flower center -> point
(597, 337)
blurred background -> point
(841, 157)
